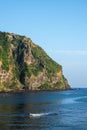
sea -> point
(44, 110)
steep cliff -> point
(24, 65)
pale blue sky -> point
(58, 26)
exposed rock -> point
(25, 65)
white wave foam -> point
(39, 114)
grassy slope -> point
(21, 69)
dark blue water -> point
(65, 110)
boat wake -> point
(41, 114)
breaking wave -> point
(41, 114)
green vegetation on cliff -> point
(23, 64)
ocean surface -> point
(46, 110)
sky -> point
(58, 26)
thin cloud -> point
(74, 52)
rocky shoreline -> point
(28, 91)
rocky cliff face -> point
(24, 65)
